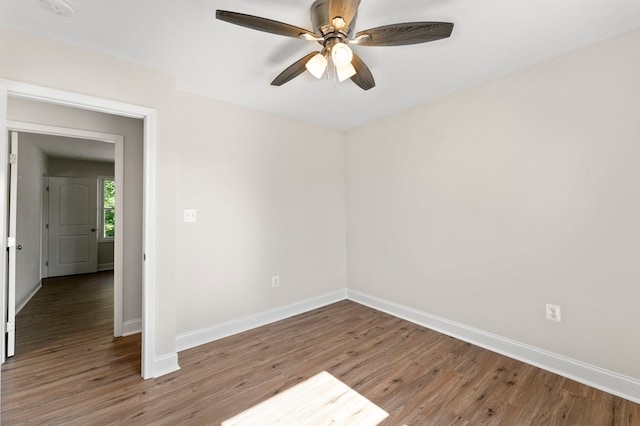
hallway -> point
(65, 348)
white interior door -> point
(73, 237)
(11, 244)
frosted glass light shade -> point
(341, 55)
(345, 72)
(317, 65)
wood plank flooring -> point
(73, 372)
(319, 399)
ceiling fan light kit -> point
(341, 54)
(317, 65)
(333, 22)
(345, 72)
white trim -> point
(132, 327)
(11, 253)
(4, 146)
(44, 229)
(23, 126)
(166, 364)
(28, 297)
(149, 369)
(608, 381)
(209, 334)
(76, 100)
(118, 244)
(590, 375)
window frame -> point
(101, 208)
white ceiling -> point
(236, 64)
(74, 148)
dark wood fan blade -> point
(405, 33)
(346, 9)
(294, 70)
(363, 77)
(261, 24)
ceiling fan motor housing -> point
(323, 23)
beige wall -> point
(32, 166)
(269, 193)
(67, 167)
(483, 206)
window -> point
(108, 208)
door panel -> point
(13, 209)
(73, 244)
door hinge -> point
(47, 189)
(13, 158)
(46, 226)
(11, 326)
(46, 263)
(11, 241)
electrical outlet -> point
(275, 281)
(553, 312)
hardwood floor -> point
(420, 377)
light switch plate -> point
(190, 215)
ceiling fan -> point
(333, 23)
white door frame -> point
(118, 142)
(60, 97)
(11, 250)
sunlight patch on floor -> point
(319, 400)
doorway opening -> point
(83, 102)
(69, 240)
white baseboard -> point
(132, 327)
(599, 378)
(29, 296)
(105, 267)
(205, 335)
(165, 364)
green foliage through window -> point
(108, 208)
